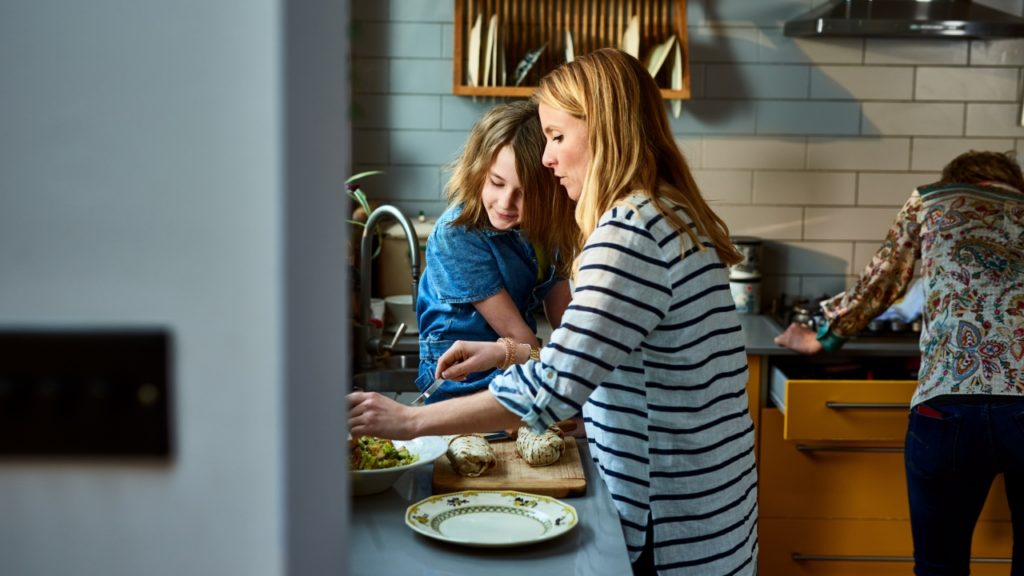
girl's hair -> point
(631, 144)
(976, 166)
(547, 218)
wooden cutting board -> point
(559, 480)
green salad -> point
(369, 453)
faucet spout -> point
(365, 289)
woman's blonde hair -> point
(547, 218)
(631, 145)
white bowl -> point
(428, 448)
(401, 309)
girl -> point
(499, 252)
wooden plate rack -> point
(524, 25)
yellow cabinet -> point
(832, 489)
(794, 547)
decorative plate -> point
(488, 518)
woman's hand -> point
(466, 357)
(370, 414)
(799, 338)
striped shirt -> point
(651, 350)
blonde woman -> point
(500, 252)
(650, 350)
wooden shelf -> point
(525, 25)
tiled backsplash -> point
(810, 144)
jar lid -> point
(746, 278)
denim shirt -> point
(466, 266)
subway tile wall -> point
(812, 145)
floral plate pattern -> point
(487, 518)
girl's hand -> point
(465, 357)
(799, 338)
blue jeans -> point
(953, 453)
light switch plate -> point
(85, 392)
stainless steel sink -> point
(402, 361)
(387, 380)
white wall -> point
(149, 175)
(810, 144)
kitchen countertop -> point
(381, 543)
(759, 331)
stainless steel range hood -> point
(906, 19)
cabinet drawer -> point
(829, 480)
(799, 479)
(858, 547)
(819, 409)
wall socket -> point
(85, 392)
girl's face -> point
(566, 151)
(502, 194)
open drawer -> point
(867, 399)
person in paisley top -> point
(966, 422)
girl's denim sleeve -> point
(462, 266)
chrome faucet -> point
(373, 346)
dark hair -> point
(979, 166)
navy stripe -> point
(694, 409)
(703, 449)
(709, 358)
(702, 471)
(695, 342)
(622, 298)
(628, 228)
(713, 557)
(698, 296)
(625, 477)
(624, 388)
(698, 319)
(619, 409)
(620, 272)
(704, 493)
(710, 513)
(716, 265)
(622, 431)
(620, 453)
(702, 385)
(572, 352)
(712, 535)
(596, 336)
(675, 234)
(702, 427)
(635, 327)
(622, 498)
(627, 251)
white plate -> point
(473, 74)
(428, 448)
(487, 518)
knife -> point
(426, 393)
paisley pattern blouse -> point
(970, 241)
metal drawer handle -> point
(817, 448)
(797, 557)
(867, 405)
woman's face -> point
(503, 195)
(566, 151)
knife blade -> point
(426, 393)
